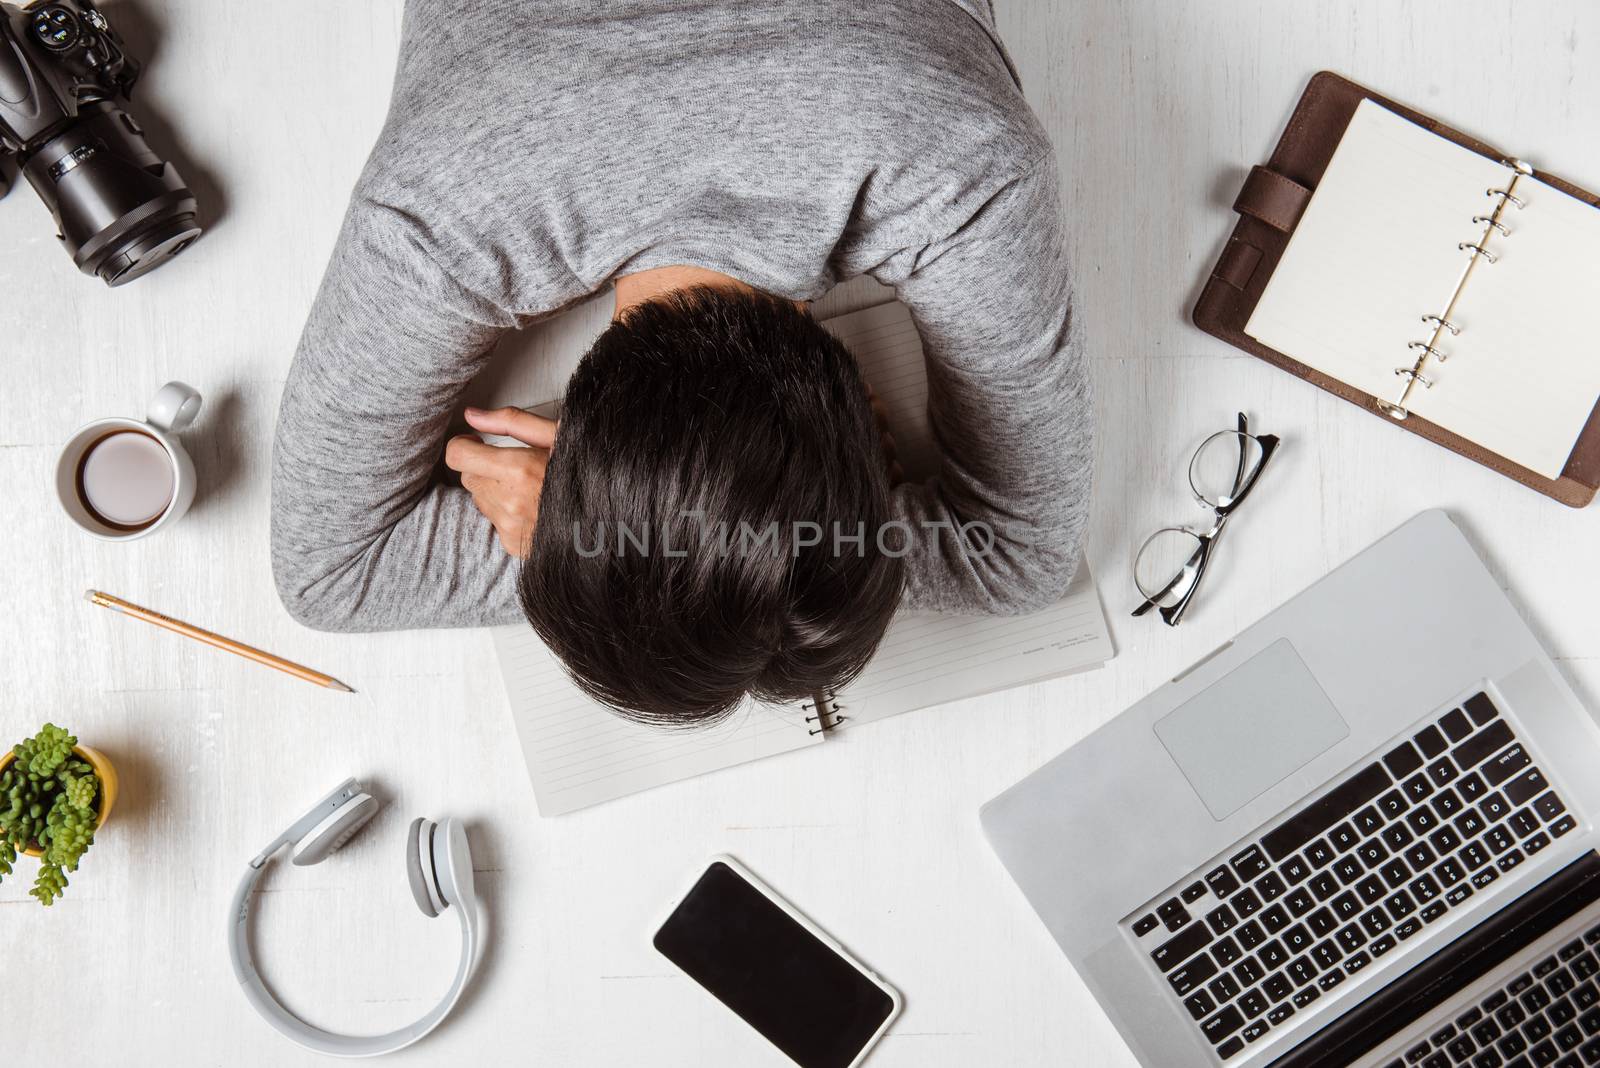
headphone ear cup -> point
(453, 863)
(419, 865)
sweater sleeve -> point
(1000, 529)
(363, 537)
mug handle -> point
(173, 407)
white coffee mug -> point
(171, 410)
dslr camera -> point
(120, 210)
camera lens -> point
(120, 209)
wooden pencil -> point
(217, 641)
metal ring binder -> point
(1446, 323)
(1429, 349)
(829, 713)
(1393, 411)
(1414, 375)
(1477, 250)
(1497, 224)
(1507, 196)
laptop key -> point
(1305, 997)
(1226, 950)
(1180, 947)
(1422, 820)
(1249, 863)
(1371, 889)
(1221, 919)
(1562, 825)
(1442, 771)
(1471, 787)
(1397, 836)
(1430, 741)
(1346, 906)
(1376, 922)
(1506, 764)
(1395, 873)
(1230, 1047)
(1187, 977)
(1193, 892)
(1280, 1014)
(1458, 895)
(1199, 1004)
(1319, 853)
(1254, 1030)
(1381, 945)
(1407, 928)
(1277, 987)
(1480, 708)
(1145, 924)
(1221, 881)
(1297, 938)
(1417, 788)
(1402, 760)
(1367, 820)
(1474, 856)
(1322, 922)
(1523, 822)
(1400, 904)
(1299, 901)
(1253, 1004)
(1326, 954)
(1432, 911)
(1446, 803)
(1224, 988)
(1271, 886)
(1301, 971)
(1344, 837)
(1330, 980)
(1250, 934)
(1525, 786)
(1484, 878)
(1455, 725)
(1173, 914)
(1494, 808)
(1393, 804)
(1245, 902)
(1499, 839)
(1355, 962)
(1275, 919)
(1272, 954)
(1483, 745)
(1352, 938)
(1222, 1024)
(1549, 806)
(1248, 971)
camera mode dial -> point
(56, 28)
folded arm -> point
(363, 537)
(1010, 405)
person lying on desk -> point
(719, 164)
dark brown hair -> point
(706, 438)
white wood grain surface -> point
(1157, 110)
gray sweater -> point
(535, 151)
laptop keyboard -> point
(1396, 845)
(1547, 1015)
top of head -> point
(345, 812)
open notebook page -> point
(927, 658)
(580, 753)
(1523, 375)
(1375, 251)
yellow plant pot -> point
(108, 783)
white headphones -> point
(439, 866)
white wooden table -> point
(1157, 109)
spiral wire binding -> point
(829, 713)
(1441, 323)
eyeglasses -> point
(1173, 560)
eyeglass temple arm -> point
(1171, 615)
(1269, 445)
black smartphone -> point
(755, 953)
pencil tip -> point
(341, 687)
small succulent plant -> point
(48, 799)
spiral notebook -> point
(1427, 277)
(580, 754)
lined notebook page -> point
(925, 658)
(1376, 250)
(579, 753)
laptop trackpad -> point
(1251, 728)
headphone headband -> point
(291, 1026)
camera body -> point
(120, 210)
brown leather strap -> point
(1272, 198)
(1238, 263)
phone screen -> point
(810, 1002)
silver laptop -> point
(1361, 833)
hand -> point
(505, 483)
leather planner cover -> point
(1269, 206)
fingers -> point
(468, 455)
(526, 427)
